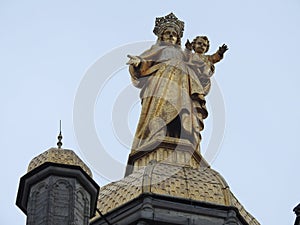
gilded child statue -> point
(203, 64)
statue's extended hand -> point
(133, 60)
(222, 49)
(188, 45)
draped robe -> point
(172, 96)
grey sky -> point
(46, 47)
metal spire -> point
(59, 137)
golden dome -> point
(61, 156)
(204, 184)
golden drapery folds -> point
(172, 96)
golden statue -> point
(172, 95)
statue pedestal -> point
(168, 150)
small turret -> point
(57, 189)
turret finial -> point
(59, 137)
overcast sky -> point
(48, 48)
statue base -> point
(168, 150)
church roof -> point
(204, 184)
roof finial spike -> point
(59, 137)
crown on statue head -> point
(161, 23)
